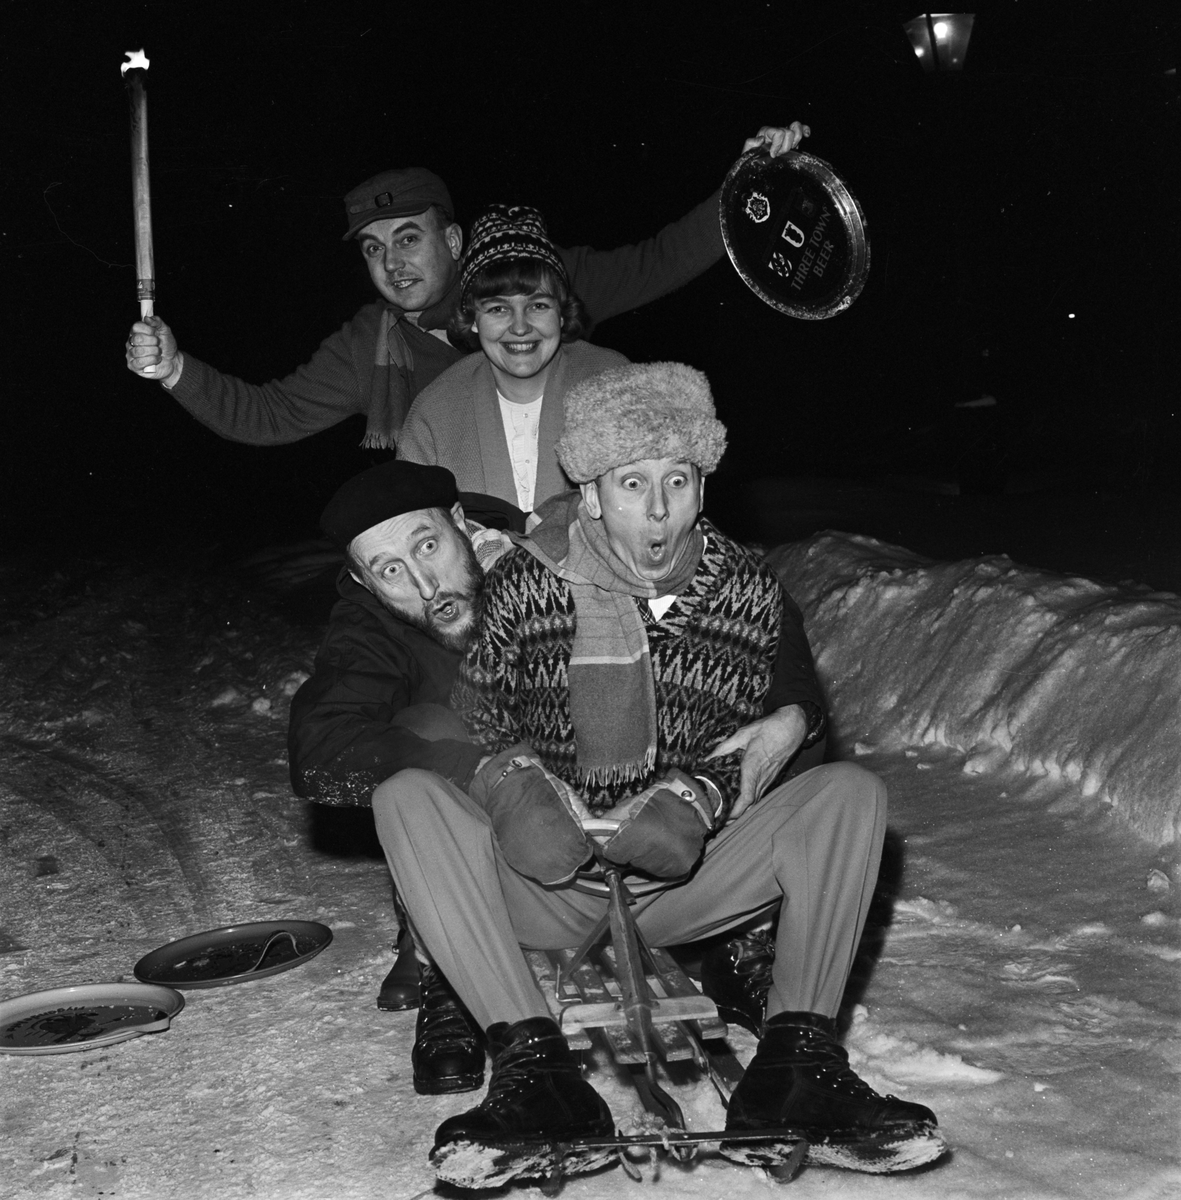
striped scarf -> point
(612, 693)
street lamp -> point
(940, 40)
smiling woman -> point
(493, 419)
(520, 336)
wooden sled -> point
(646, 1008)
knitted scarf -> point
(612, 693)
(407, 358)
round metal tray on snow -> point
(85, 1016)
(234, 954)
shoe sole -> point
(879, 1154)
(448, 1084)
(400, 1005)
(478, 1165)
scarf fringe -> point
(377, 441)
(615, 773)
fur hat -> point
(643, 410)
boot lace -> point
(756, 957)
(829, 1062)
(444, 1022)
(517, 1070)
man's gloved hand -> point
(664, 827)
(537, 818)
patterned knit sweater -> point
(713, 658)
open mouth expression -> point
(648, 509)
(423, 569)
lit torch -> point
(133, 71)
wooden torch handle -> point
(141, 190)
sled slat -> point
(547, 977)
(590, 999)
(671, 1039)
(677, 983)
(599, 1009)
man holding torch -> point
(404, 222)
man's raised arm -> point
(324, 391)
(610, 282)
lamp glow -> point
(940, 40)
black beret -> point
(382, 492)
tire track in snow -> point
(162, 839)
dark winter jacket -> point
(372, 665)
(353, 373)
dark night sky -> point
(1042, 182)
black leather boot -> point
(536, 1097)
(400, 988)
(736, 976)
(448, 1054)
(800, 1081)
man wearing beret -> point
(625, 646)
(376, 702)
(404, 222)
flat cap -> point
(400, 193)
(385, 491)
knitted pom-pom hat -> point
(643, 410)
(505, 231)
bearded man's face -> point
(422, 568)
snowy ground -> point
(1021, 976)
(1030, 674)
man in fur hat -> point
(410, 599)
(624, 646)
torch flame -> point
(136, 60)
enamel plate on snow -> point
(795, 233)
(66, 1019)
(234, 954)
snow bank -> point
(1023, 671)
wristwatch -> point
(717, 802)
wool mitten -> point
(537, 818)
(665, 826)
